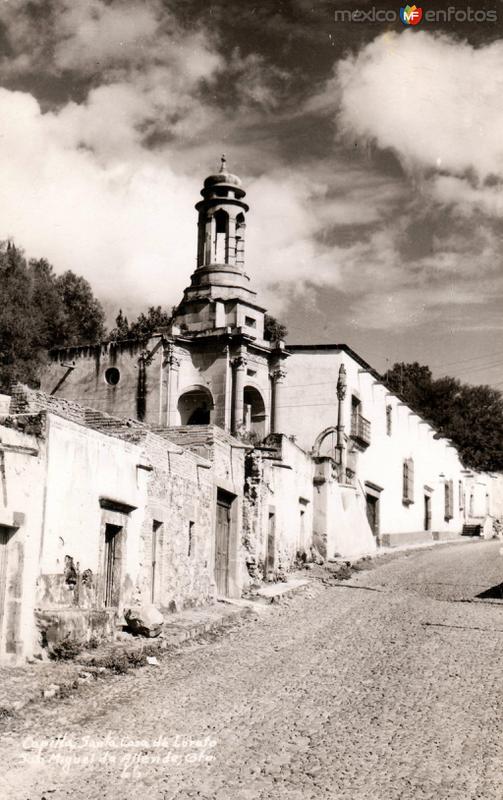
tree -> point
(41, 310)
(48, 313)
(84, 318)
(274, 330)
(16, 328)
(144, 325)
(471, 416)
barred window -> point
(449, 500)
(408, 481)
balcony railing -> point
(360, 430)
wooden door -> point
(372, 513)
(112, 564)
(223, 529)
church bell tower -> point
(220, 294)
(221, 222)
(220, 368)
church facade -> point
(208, 459)
(213, 364)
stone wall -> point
(225, 455)
(180, 518)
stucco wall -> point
(86, 383)
(22, 479)
(86, 471)
(310, 406)
(152, 392)
(117, 472)
(165, 487)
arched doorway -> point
(254, 412)
(195, 406)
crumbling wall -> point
(225, 455)
(179, 508)
(255, 517)
(278, 508)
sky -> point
(371, 152)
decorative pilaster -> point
(173, 364)
(341, 439)
(278, 377)
(239, 365)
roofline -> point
(338, 348)
(343, 348)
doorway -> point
(195, 406)
(4, 538)
(113, 541)
(222, 541)
(271, 543)
(154, 570)
(373, 513)
(373, 508)
(427, 512)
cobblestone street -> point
(384, 687)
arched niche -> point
(254, 412)
(195, 406)
(325, 443)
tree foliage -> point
(274, 330)
(40, 310)
(472, 416)
(144, 325)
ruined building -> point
(206, 460)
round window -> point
(112, 376)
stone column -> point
(341, 439)
(278, 378)
(239, 365)
(173, 369)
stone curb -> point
(274, 593)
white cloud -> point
(467, 197)
(96, 35)
(436, 101)
(118, 224)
